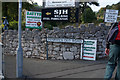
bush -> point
(48, 26)
(100, 20)
(97, 22)
(14, 25)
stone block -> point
(104, 43)
(43, 55)
(49, 52)
(36, 52)
(60, 58)
(28, 53)
(56, 49)
(77, 56)
(63, 49)
(73, 49)
(54, 52)
(25, 48)
(68, 56)
(42, 58)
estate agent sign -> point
(111, 15)
(89, 52)
(33, 20)
(60, 14)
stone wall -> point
(34, 42)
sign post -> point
(19, 57)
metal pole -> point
(77, 6)
(19, 57)
(44, 2)
(46, 45)
(85, 4)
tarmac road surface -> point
(36, 68)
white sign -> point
(59, 3)
(111, 15)
(64, 40)
(86, 0)
(90, 49)
(33, 20)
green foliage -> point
(100, 21)
(97, 22)
(10, 9)
(101, 12)
(50, 24)
(14, 25)
(88, 16)
(60, 24)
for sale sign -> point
(33, 20)
(111, 15)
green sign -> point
(90, 47)
(33, 20)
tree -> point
(83, 6)
(10, 9)
(88, 16)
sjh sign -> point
(60, 14)
(57, 14)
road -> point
(36, 68)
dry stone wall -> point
(34, 42)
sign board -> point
(86, 0)
(59, 3)
(90, 47)
(33, 20)
(111, 15)
(64, 40)
(60, 14)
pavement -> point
(36, 68)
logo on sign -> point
(38, 23)
(48, 13)
(60, 12)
